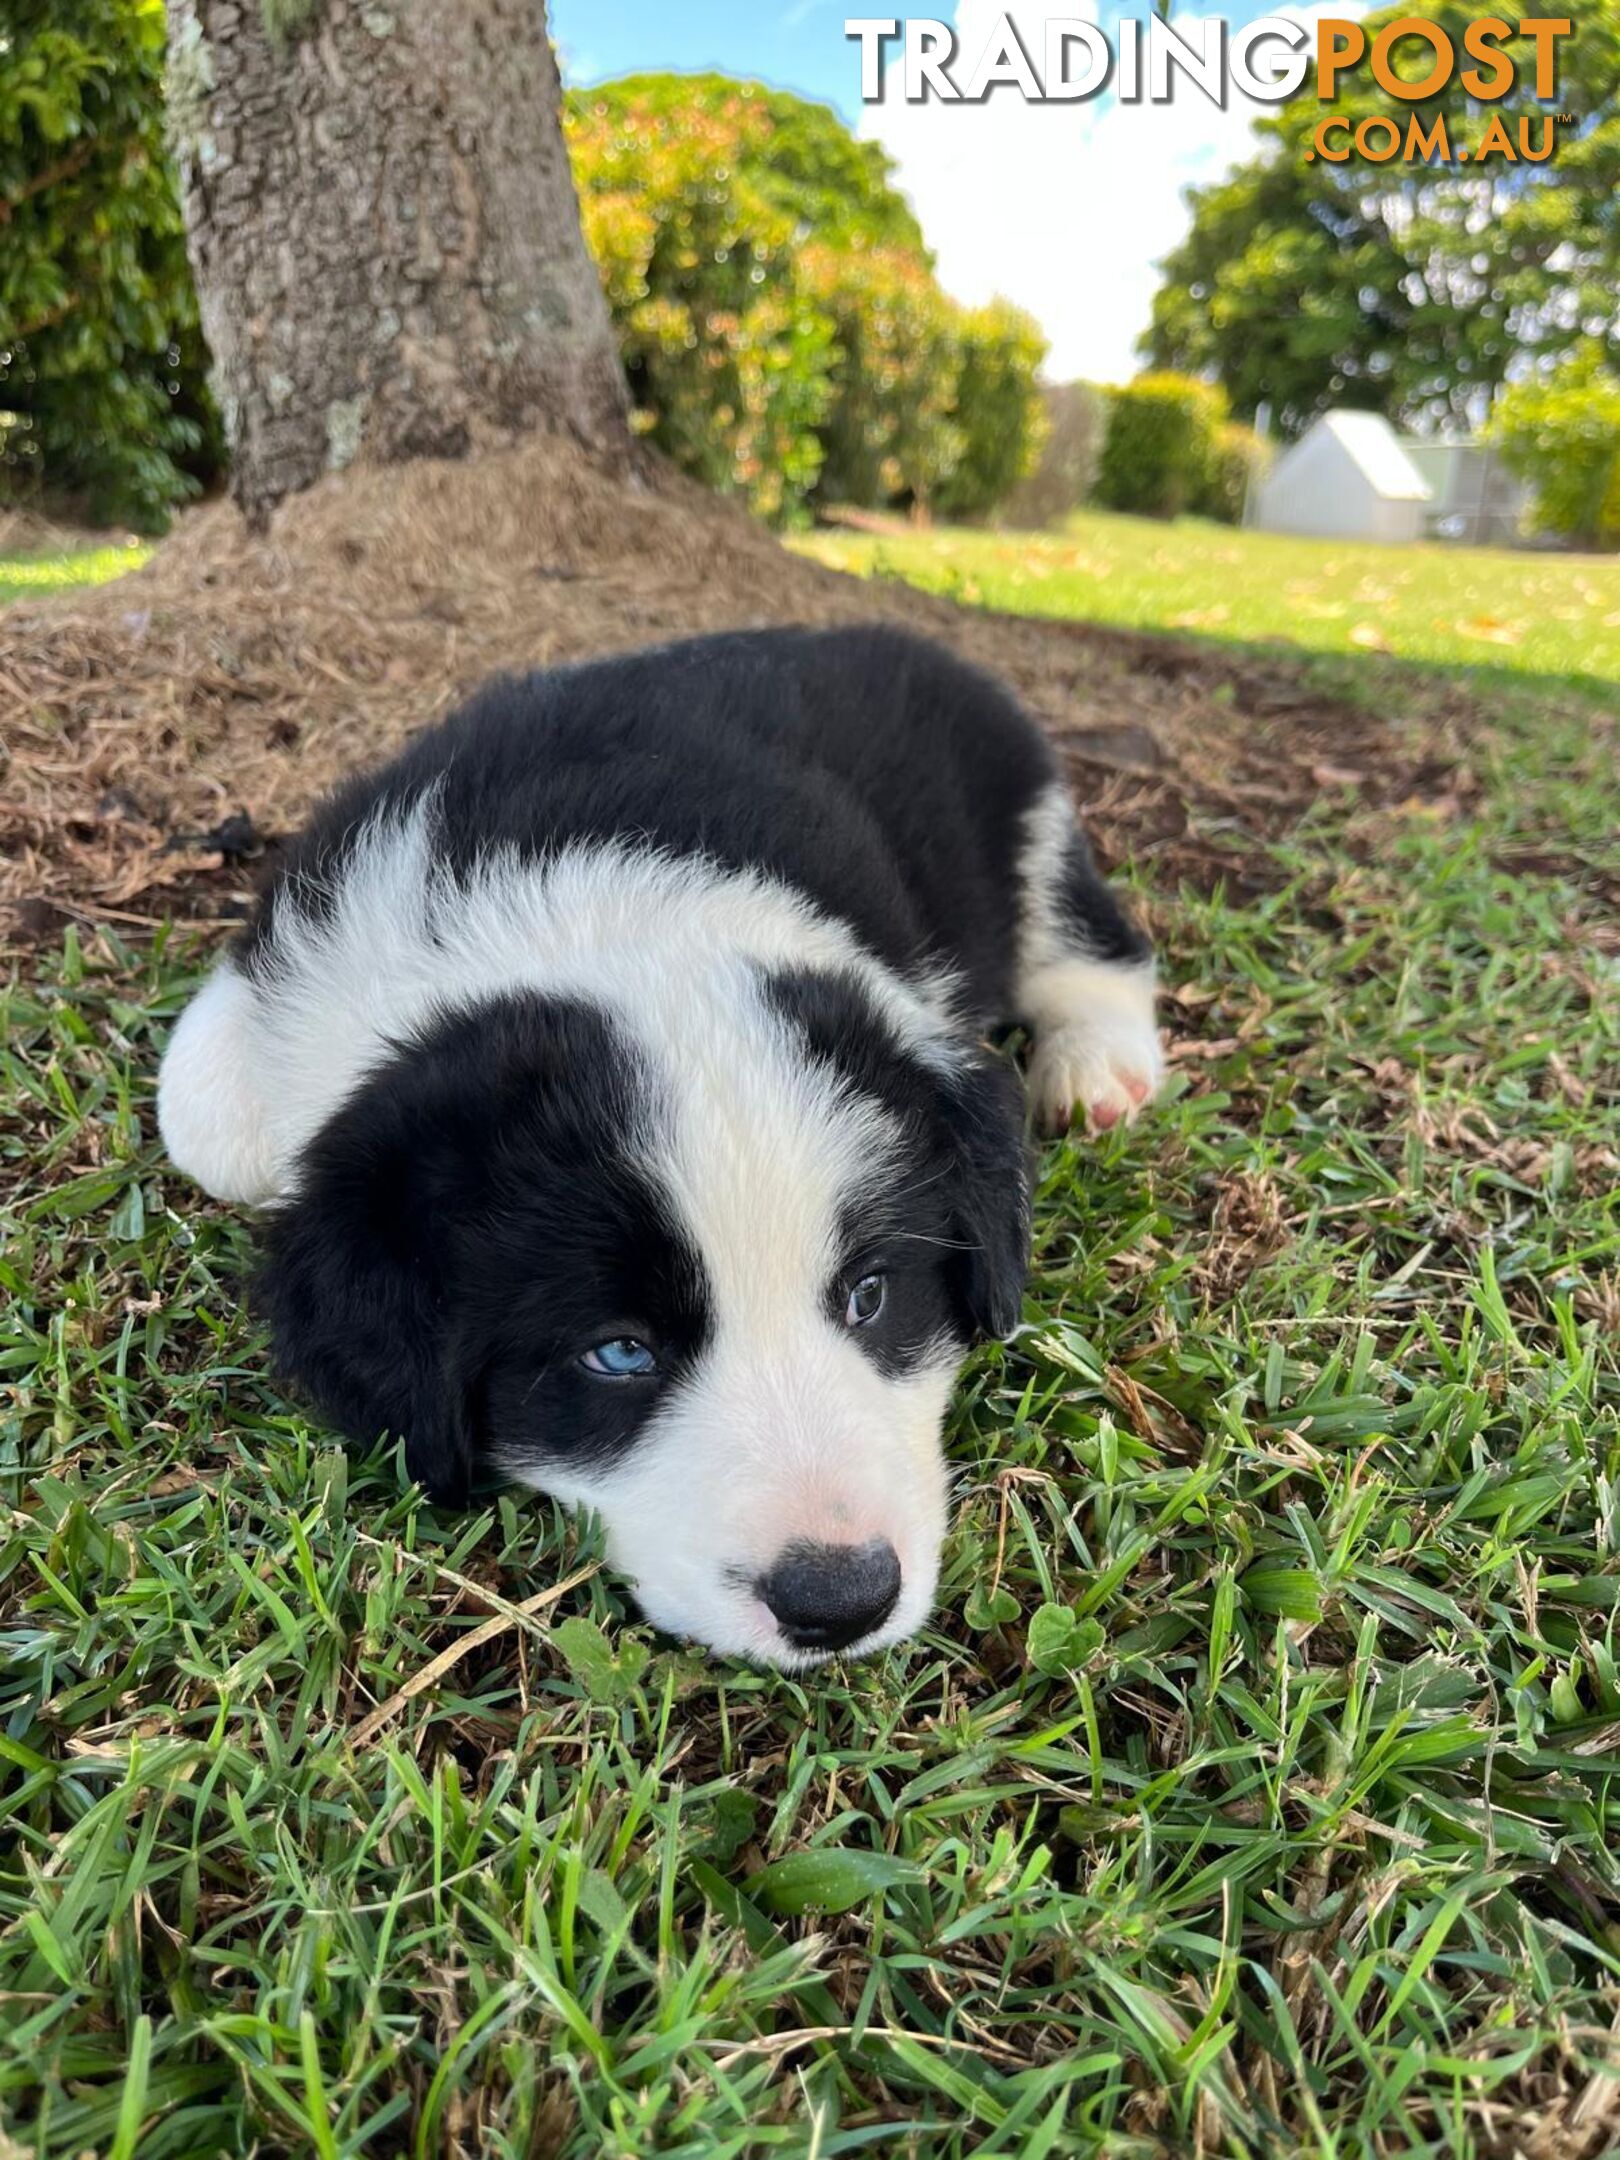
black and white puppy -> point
(611, 1067)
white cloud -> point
(1065, 209)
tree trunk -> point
(385, 233)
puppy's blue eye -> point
(865, 1301)
(620, 1358)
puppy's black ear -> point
(354, 1285)
(984, 1118)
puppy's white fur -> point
(1096, 1048)
(263, 1057)
(210, 1107)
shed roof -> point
(1372, 442)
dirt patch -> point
(1248, 1226)
(162, 731)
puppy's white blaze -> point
(785, 1431)
(759, 1148)
(749, 1456)
(403, 941)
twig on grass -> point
(771, 2044)
(435, 1669)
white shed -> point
(1347, 478)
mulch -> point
(161, 732)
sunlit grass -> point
(29, 576)
(1251, 1794)
(1539, 613)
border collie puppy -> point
(611, 1068)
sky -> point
(1065, 209)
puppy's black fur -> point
(466, 1224)
(866, 768)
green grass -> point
(1254, 1792)
(1555, 615)
(29, 577)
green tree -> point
(1002, 426)
(697, 239)
(1413, 289)
(102, 366)
(782, 328)
(1561, 432)
(890, 433)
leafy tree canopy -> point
(1561, 432)
(102, 395)
(801, 159)
(1414, 289)
(780, 320)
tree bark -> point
(384, 232)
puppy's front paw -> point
(1099, 1071)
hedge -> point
(1561, 433)
(782, 327)
(103, 397)
(1171, 447)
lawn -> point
(27, 577)
(1253, 1792)
(1542, 614)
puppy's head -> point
(707, 1265)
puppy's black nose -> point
(828, 1595)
